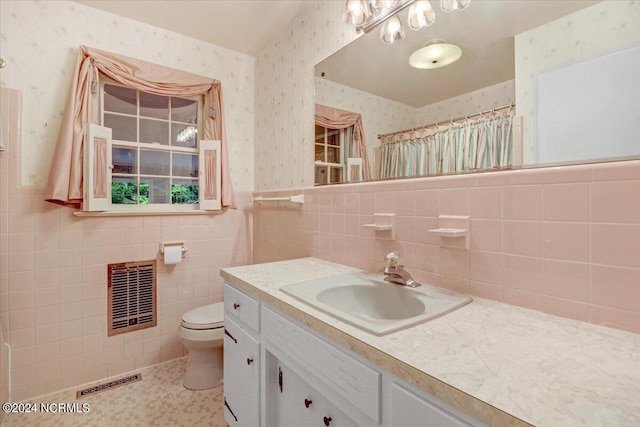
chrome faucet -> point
(395, 273)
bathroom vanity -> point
(487, 363)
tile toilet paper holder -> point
(174, 243)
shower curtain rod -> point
(493, 110)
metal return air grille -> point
(108, 385)
(131, 296)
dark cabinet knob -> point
(236, 306)
(249, 361)
(307, 403)
(327, 421)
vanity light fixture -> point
(366, 14)
(435, 54)
(450, 5)
(356, 12)
(421, 14)
(391, 30)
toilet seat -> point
(206, 317)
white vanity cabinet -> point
(241, 359)
(308, 380)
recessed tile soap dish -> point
(449, 232)
(383, 222)
(452, 228)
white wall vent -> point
(131, 296)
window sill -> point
(140, 213)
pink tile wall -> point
(563, 240)
(56, 311)
(10, 108)
(53, 283)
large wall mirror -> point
(507, 83)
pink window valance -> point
(65, 178)
(334, 118)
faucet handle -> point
(392, 259)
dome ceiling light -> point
(435, 54)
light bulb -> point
(449, 5)
(392, 30)
(420, 15)
(356, 12)
(383, 4)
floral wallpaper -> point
(467, 104)
(600, 28)
(284, 95)
(40, 63)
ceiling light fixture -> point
(435, 54)
(366, 14)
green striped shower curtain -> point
(480, 144)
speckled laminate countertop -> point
(503, 364)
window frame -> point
(152, 207)
(324, 163)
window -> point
(156, 160)
(329, 155)
(155, 146)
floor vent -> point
(131, 296)
(108, 386)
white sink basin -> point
(366, 301)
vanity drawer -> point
(242, 307)
(347, 377)
(410, 410)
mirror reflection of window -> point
(329, 155)
(339, 140)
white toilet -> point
(202, 332)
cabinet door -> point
(333, 417)
(289, 393)
(241, 377)
(298, 404)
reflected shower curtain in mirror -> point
(479, 144)
(334, 118)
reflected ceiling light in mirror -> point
(420, 15)
(450, 5)
(435, 54)
(391, 30)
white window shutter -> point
(97, 168)
(209, 182)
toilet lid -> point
(206, 317)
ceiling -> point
(241, 25)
